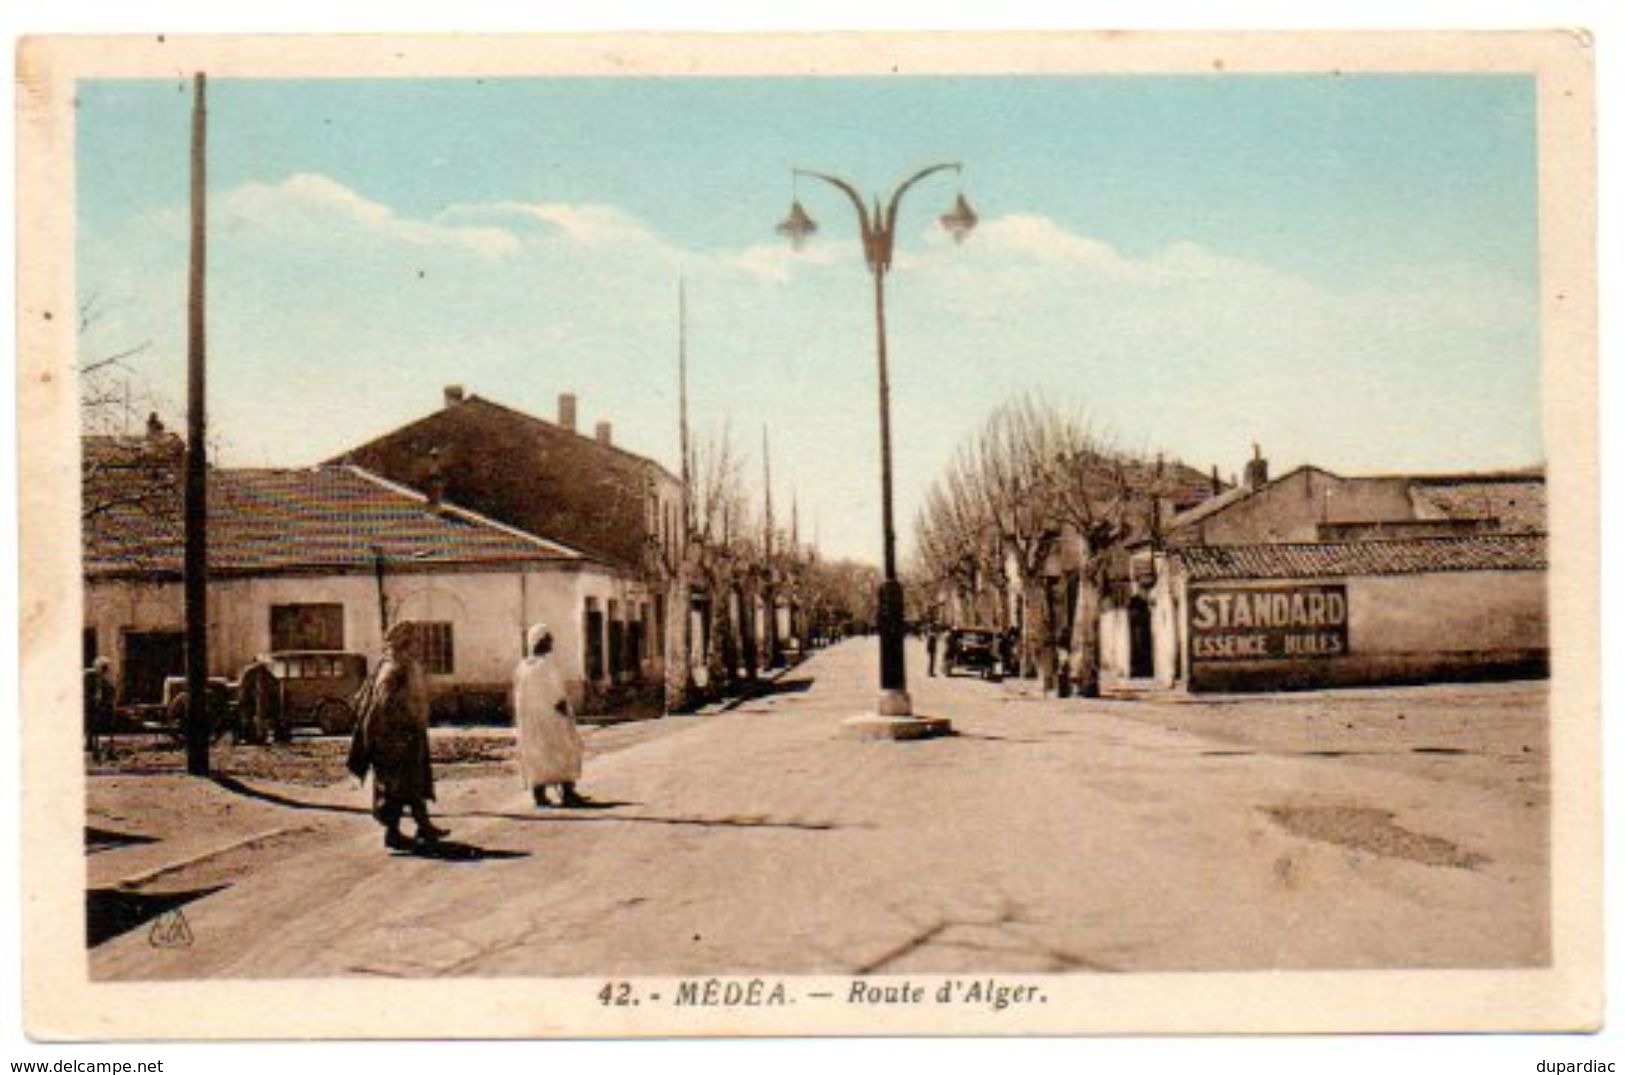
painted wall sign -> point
(1269, 623)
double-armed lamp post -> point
(894, 717)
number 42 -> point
(617, 993)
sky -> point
(1342, 269)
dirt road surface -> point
(1382, 828)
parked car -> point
(319, 687)
(315, 687)
(972, 648)
(222, 706)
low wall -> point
(1394, 629)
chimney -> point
(1258, 471)
(434, 484)
(454, 394)
(604, 433)
(567, 411)
(1218, 486)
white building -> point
(324, 558)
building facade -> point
(549, 480)
(1317, 580)
(324, 559)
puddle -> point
(1368, 829)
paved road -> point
(1046, 836)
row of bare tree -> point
(751, 579)
(1017, 530)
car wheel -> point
(335, 717)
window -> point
(307, 627)
(660, 622)
(617, 642)
(89, 646)
(437, 649)
(592, 630)
(634, 647)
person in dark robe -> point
(262, 704)
(100, 698)
(391, 740)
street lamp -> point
(878, 231)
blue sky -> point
(1342, 268)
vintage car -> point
(313, 687)
(974, 649)
(222, 706)
(318, 687)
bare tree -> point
(717, 518)
(1040, 492)
(125, 466)
(959, 548)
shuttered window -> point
(438, 652)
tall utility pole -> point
(796, 632)
(680, 681)
(196, 568)
(769, 596)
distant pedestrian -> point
(931, 649)
(261, 704)
(100, 700)
(549, 743)
(1007, 652)
(391, 739)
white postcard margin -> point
(61, 1002)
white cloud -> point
(588, 224)
(306, 207)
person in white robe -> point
(549, 744)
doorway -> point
(149, 658)
(1141, 663)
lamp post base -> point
(894, 703)
(880, 726)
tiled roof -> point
(324, 518)
(1479, 552)
(527, 472)
(1517, 504)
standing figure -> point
(261, 704)
(931, 649)
(99, 701)
(1007, 652)
(549, 744)
(391, 739)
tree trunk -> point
(1086, 637)
(729, 643)
(679, 640)
(747, 632)
(717, 644)
(1038, 648)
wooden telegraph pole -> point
(770, 595)
(680, 686)
(196, 568)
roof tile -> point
(332, 517)
(1478, 552)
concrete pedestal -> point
(878, 726)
